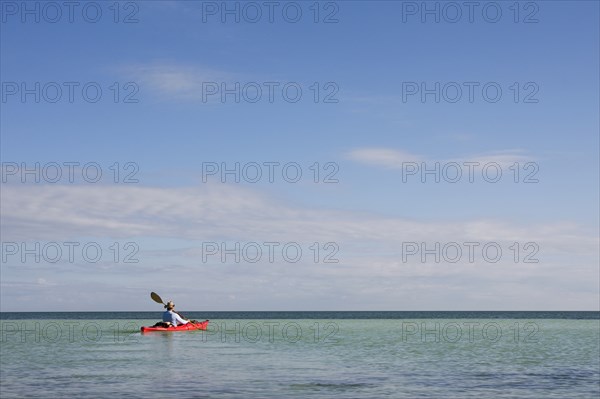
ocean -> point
(303, 355)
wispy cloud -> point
(395, 158)
(174, 80)
(370, 250)
(385, 157)
(224, 212)
(219, 211)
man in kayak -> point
(172, 317)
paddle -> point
(156, 298)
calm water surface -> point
(297, 355)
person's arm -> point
(179, 319)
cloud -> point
(396, 158)
(171, 80)
(371, 272)
(227, 212)
(385, 157)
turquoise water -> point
(68, 355)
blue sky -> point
(173, 53)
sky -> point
(334, 155)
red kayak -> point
(185, 327)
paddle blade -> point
(156, 298)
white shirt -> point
(173, 318)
